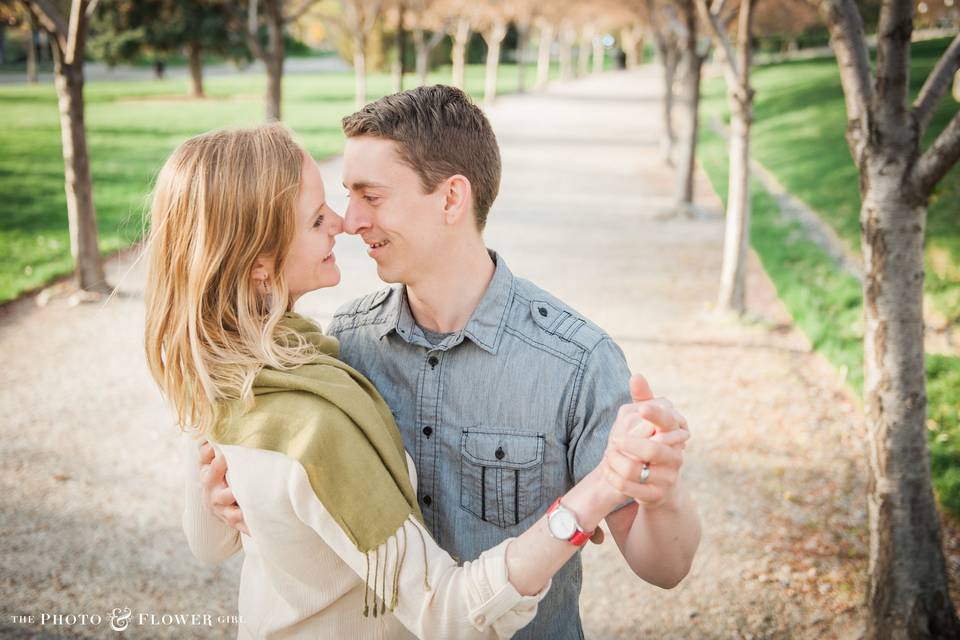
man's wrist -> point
(670, 502)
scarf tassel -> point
(380, 580)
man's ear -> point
(458, 199)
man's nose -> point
(354, 220)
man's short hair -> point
(439, 133)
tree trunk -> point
(458, 54)
(493, 63)
(523, 32)
(733, 291)
(583, 53)
(692, 63)
(691, 125)
(632, 41)
(359, 72)
(32, 76)
(45, 51)
(3, 43)
(423, 56)
(567, 38)
(274, 61)
(599, 53)
(543, 55)
(274, 89)
(398, 65)
(733, 286)
(159, 68)
(81, 215)
(493, 37)
(196, 69)
(907, 589)
(668, 137)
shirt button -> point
(432, 361)
(543, 311)
(480, 620)
(427, 431)
(427, 500)
(499, 453)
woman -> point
(240, 230)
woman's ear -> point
(458, 199)
(262, 269)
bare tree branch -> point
(942, 155)
(936, 84)
(439, 34)
(253, 28)
(91, 8)
(719, 35)
(893, 58)
(51, 20)
(75, 31)
(744, 44)
(850, 47)
(300, 11)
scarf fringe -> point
(380, 580)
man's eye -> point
(370, 198)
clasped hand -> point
(649, 432)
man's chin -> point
(390, 276)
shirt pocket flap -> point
(504, 449)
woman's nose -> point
(336, 223)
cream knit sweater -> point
(303, 578)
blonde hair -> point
(221, 200)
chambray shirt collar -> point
(485, 326)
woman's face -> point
(310, 262)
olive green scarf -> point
(332, 420)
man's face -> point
(401, 226)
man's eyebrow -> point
(364, 184)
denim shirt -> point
(500, 418)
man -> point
(505, 396)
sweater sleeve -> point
(210, 540)
(475, 600)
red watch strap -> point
(579, 538)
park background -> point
(595, 73)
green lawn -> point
(798, 135)
(800, 120)
(131, 128)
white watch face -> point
(562, 524)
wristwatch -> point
(563, 525)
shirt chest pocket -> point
(501, 475)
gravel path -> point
(89, 476)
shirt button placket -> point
(428, 412)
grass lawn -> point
(131, 128)
(800, 120)
(800, 123)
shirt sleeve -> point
(475, 600)
(210, 539)
(604, 388)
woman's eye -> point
(318, 222)
(370, 198)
